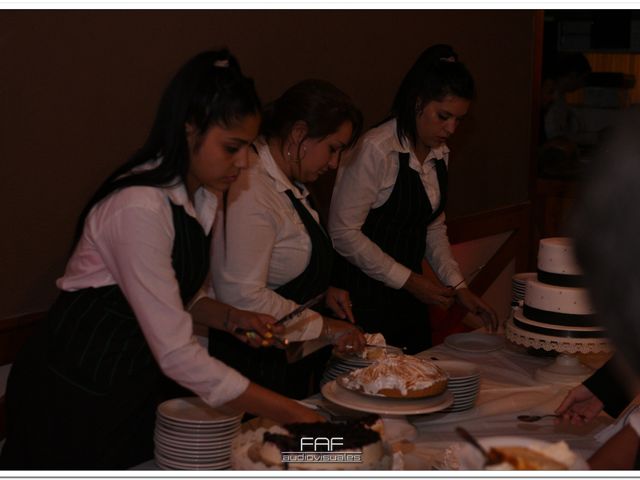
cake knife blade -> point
(298, 310)
(476, 271)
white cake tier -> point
(552, 298)
(556, 255)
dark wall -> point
(78, 91)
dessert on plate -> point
(397, 376)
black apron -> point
(399, 228)
(268, 367)
(82, 393)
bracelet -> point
(227, 320)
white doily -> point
(557, 344)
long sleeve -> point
(438, 254)
(243, 256)
(134, 240)
(358, 184)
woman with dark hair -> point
(274, 254)
(387, 210)
(82, 393)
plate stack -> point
(190, 435)
(519, 286)
(464, 383)
(338, 365)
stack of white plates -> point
(339, 364)
(191, 435)
(464, 383)
(519, 286)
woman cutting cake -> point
(387, 210)
(272, 254)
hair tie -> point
(448, 59)
(222, 63)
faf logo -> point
(321, 450)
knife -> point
(295, 312)
(477, 270)
(298, 310)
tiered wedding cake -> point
(556, 314)
(556, 304)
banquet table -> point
(507, 389)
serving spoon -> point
(491, 457)
(535, 418)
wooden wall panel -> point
(78, 90)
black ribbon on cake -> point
(559, 333)
(556, 318)
(560, 279)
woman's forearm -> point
(211, 313)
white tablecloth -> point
(507, 389)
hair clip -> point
(223, 63)
(448, 59)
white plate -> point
(474, 342)
(385, 406)
(471, 459)
(193, 411)
(173, 464)
(196, 432)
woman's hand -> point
(476, 306)
(254, 329)
(579, 406)
(339, 302)
(428, 291)
(345, 336)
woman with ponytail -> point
(119, 339)
(387, 209)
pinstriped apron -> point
(399, 228)
(268, 367)
(82, 394)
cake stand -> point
(567, 368)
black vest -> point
(399, 228)
(83, 392)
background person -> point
(606, 236)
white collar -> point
(280, 180)
(206, 203)
(438, 153)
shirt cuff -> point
(199, 295)
(230, 387)
(398, 276)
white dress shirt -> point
(128, 240)
(263, 245)
(365, 181)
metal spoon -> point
(491, 458)
(535, 418)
